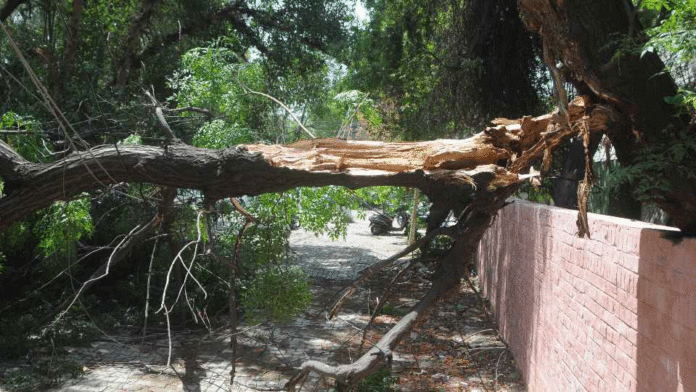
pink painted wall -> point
(613, 313)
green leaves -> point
(277, 295)
(214, 78)
(672, 28)
(132, 140)
(657, 163)
(28, 140)
(325, 210)
(63, 224)
(218, 134)
(685, 99)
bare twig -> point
(385, 296)
(119, 253)
(178, 258)
(287, 109)
(207, 112)
(378, 266)
(147, 289)
(234, 322)
(161, 121)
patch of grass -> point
(381, 381)
(393, 311)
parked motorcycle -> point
(381, 223)
(295, 222)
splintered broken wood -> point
(512, 144)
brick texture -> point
(615, 312)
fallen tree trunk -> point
(439, 168)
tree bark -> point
(589, 38)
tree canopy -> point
(448, 66)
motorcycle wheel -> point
(295, 223)
(376, 229)
(401, 220)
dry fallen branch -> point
(119, 253)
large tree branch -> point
(231, 13)
(234, 14)
(440, 168)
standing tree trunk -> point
(590, 38)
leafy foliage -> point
(276, 294)
(649, 173)
(685, 99)
(64, 223)
(213, 78)
(28, 141)
(440, 68)
(671, 27)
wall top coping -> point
(595, 217)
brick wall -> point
(616, 312)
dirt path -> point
(454, 350)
